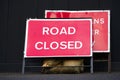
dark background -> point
(13, 16)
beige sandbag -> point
(50, 62)
(75, 66)
(69, 66)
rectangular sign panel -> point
(101, 25)
(58, 38)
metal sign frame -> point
(24, 57)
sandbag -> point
(69, 66)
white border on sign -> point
(26, 38)
(106, 51)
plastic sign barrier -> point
(101, 25)
(58, 38)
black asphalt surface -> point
(82, 76)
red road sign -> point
(101, 25)
(58, 38)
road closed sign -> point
(101, 25)
(58, 38)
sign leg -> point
(23, 66)
(109, 62)
(91, 65)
